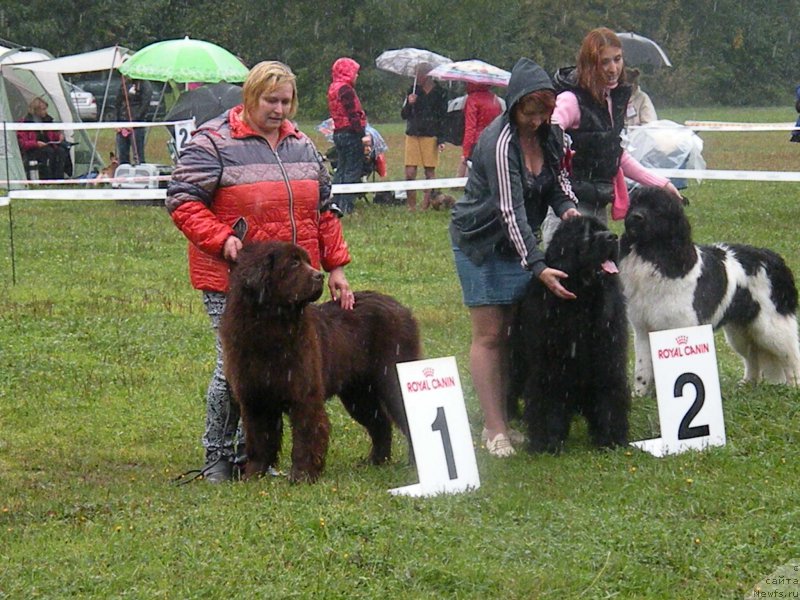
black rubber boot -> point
(218, 470)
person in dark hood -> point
(517, 173)
(349, 127)
(590, 107)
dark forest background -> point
(724, 52)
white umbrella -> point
(639, 50)
(471, 71)
(404, 61)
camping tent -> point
(105, 59)
(18, 86)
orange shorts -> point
(422, 151)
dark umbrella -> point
(205, 102)
(639, 50)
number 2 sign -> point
(440, 434)
(687, 387)
(183, 131)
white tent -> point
(96, 60)
(19, 84)
(105, 59)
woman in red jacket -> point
(250, 174)
(44, 147)
(480, 109)
(349, 127)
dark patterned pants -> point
(223, 428)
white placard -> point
(440, 434)
(183, 132)
(687, 387)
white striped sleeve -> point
(506, 197)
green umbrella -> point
(184, 61)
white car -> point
(84, 102)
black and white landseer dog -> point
(670, 282)
(571, 356)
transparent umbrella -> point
(404, 61)
(471, 71)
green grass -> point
(105, 353)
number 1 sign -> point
(440, 434)
(687, 387)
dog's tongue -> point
(609, 267)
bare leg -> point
(488, 359)
(462, 168)
(430, 173)
(411, 195)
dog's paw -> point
(300, 476)
(641, 390)
(378, 459)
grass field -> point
(105, 354)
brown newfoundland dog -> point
(284, 354)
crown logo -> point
(427, 371)
(682, 339)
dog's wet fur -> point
(284, 354)
(570, 357)
(670, 282)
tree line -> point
(726, 52)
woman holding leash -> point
(517, 173)
(250, 174)
(590, 108)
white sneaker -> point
(500, 446)
(517, 437)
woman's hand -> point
(570, 213)
(674, 191)
(551, 278)
(230, 251)
(340, 289)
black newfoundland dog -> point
(283, 354)
(570, 356)
(671, 282)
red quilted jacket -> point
(343, 103)
(480, 109)
(228, 173)
(28, 139)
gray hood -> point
(526, 77)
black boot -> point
(218, 469)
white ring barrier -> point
(384, 186)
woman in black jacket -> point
(517, 173)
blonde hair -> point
(37, 102)
(264, 78)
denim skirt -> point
(499, 280)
